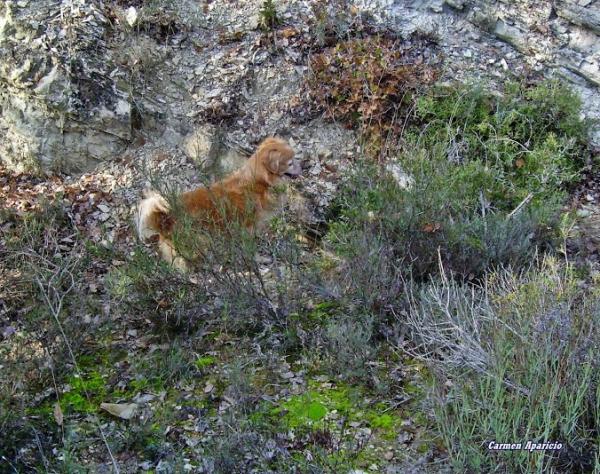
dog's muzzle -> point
(293, 171)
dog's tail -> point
(152, 215)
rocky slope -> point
(169, 86)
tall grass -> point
(515, 359)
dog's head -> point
(276, 158)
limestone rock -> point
(587, 16)
(206, 147)
(61, 108)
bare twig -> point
(54, 296)
(517, 209)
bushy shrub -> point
(349, 345)
(488, 176)
(370, 83)
(527, 139)
(515, 359)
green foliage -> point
(522, 363)
(85, 394)
(308, 411)
(268, 15)
(305, 410)
(473, 160)
(528, 139)
(203, 362)
(349, 345)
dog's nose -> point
(295, 169)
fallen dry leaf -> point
(58, 414)
(122, 410)
(431, 227)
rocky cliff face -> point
(560, 34)
(500, 39)
(77, 77)
(61, 104)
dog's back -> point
(242, 198)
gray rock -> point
(511, 35)
(458, 4)
(583, 15)
(61, 106)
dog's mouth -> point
(293, 171)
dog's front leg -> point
(168, 253)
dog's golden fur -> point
(243, 197)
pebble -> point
(583, 213)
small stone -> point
(131, 16)
(388, 455)
(468, 53)
(213, 93)
(583, 213)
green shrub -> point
(514, 359)
(527, 139)
(488, 176)
(349, 346)
(268, 15)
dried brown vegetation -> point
(371, 83)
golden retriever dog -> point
(243, 197)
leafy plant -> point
(268, 15)
(370, 83)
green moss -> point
(309, 410)
(304, 410)
(422, 448)
(86, 393)
(383, 421)
(205, 361)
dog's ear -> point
(273, 161)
